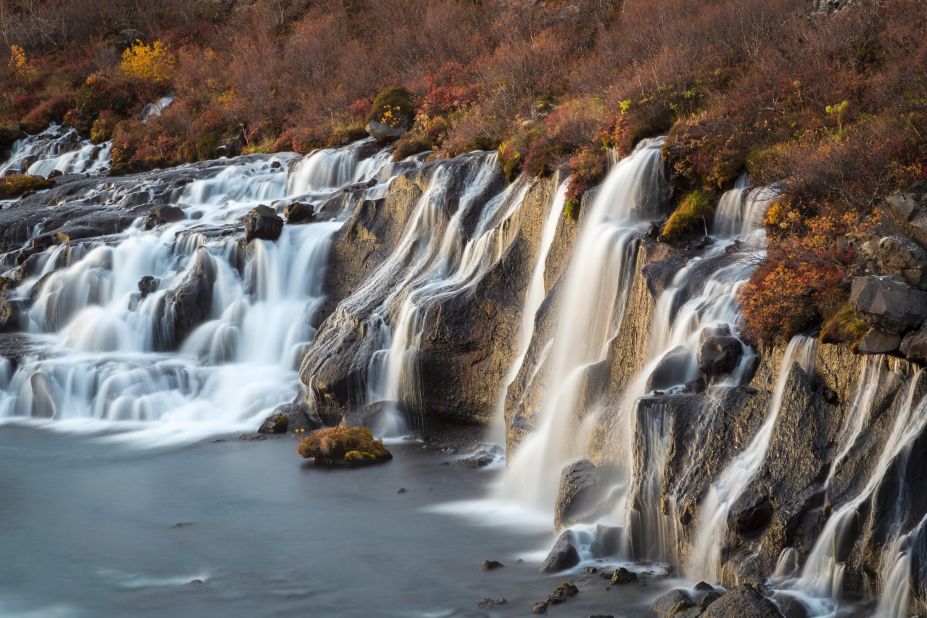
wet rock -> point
(490, 565)
(719, 355)
(487, 603)
(672, 370)
(275, 423)
(10, 311)
(744, 600)
(790, 607)
(563, 555)
(299, 417)
(582, 492)
(189, 304)
(160, 215)
(483, 457)
(262, 222)
(672, 603)
(539, 608)
(562, 594)
(147, 285)
(608, 541)
(708, 598)
(299, 212)
(877, 342)
(888, 303)
(623, 576)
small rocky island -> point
(343, 446)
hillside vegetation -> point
(833, 107)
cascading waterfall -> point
(104, 363)
(821, 581)
(57, 150)
(713, 513)
(592, 309)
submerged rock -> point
(188, 305)
(491, 565)
(262, 222)
(563, 555)
(623, 576)
(147, 285)
(160, 215)
(343, 446)
(487, 603)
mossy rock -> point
(18, 185)
(392, 113)
(845, 326)
(691, 218)
(343, 446)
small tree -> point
(153, 63)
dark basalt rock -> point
(672, 603)
(888, 303)
(487, 603)
(291, 417)
(914, 346)
(491, 565)
(188, 305)
(563, 555)
(742, 601)
(160, 215)
(263, 223)
(673, 369)
(623, 576)
(877, 342)
(147, 285)
(897, 256)
(10, 312)
(583, 492)
(299, 212)
(719, 355)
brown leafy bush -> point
(343, 445)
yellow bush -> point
(18, 63)
(154, 63)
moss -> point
(394, 107)
(102, 128)
(845, 326)
(18, 185)
(692, 217)
(343, 446)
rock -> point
(262, 222)
(790, 607)
(299, 212)
(877, 342)
(384, 132)
(582, 492)
(482, 458)
(490, 565)
(888, 303)
(299, 417)
(539, 608)
(487, 603)
(914, 346)
(831, 6)
(672, 603)
(708, 598)
(672, 370)
(897, 256)
(160, 215)
(623, 576)
(744, 600)
(183, 308)
(9, 314)
(275, 423)
(608, 541)
(562, 594)
(563, 555)
(719, 355)
(703, 586)
(147, 285)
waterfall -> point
(821, 578)
(57, 149)
(537, 290)
(591, 312)
(713, 513)
(104, 361)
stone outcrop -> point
(262, 222)
(186, 306)
(888, 303)
(582, 492)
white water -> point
(57, 149)
(97, 361)
(706, 554)
(821, 580)
(591, 312)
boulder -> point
(897, 256)
(491, 565)
(672, 370)
(914, 346)
(299, 212)
(877, 342)
(563, 555)
(623, 576)
(147, 285)
(908, 210)
(160, 215)
(719, 355)
(262, 222)
(582, 493)
(672, 603)
(298, 416)
(888, 303)
(275, 423)
(383, 132)
(744, 600)
(790, 607)
(9, 314)
(188, 305)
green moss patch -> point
(18, 185)
(692, 217)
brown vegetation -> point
(343, 445)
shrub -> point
(45, 113)
(102, 128)
(586, 167)
(393, 107)
(19, 185)
(343, 445)
(152, 63)
(691, 217)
